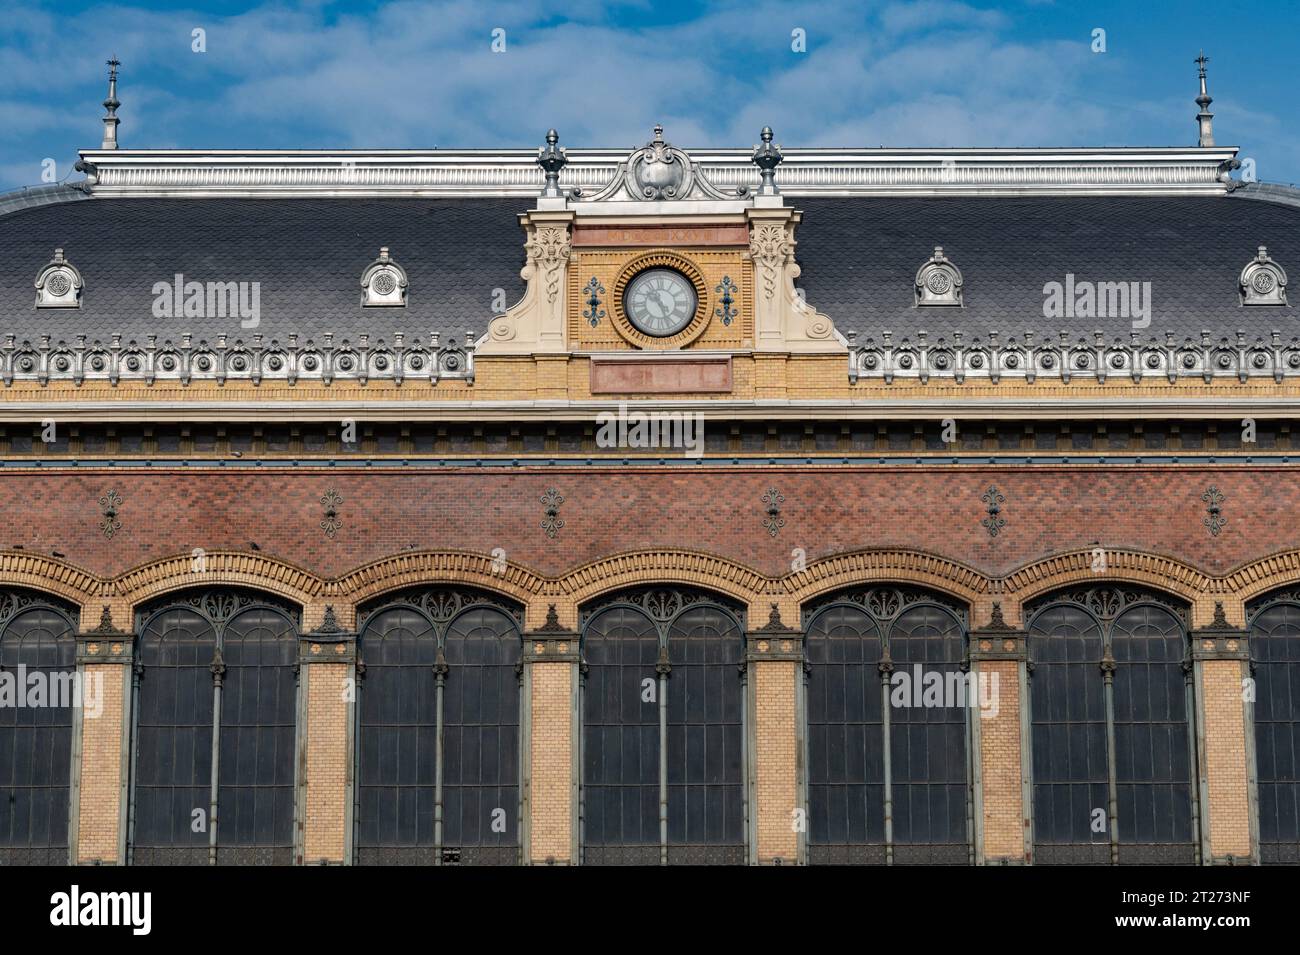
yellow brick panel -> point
(326, 762)
(551, 749)
(1225, 758)
(1004, 826)
(777, 769)
(99, 813)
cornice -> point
(471, 173)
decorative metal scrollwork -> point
(887, 602)
(111, 502)
(331, 522)
(726, 290)
(772, 500)
(442, 604)
(662, 604)
(1108, 601)
(1214, 520)
(593, 312)
(552, 522)
(995, 521)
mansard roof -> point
(859, 256)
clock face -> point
(660, 302)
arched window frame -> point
(885, 604)
(218, 608)
(663, 606)
(440, 607)
(1105, 604)
(14, 604)
(1271, 851)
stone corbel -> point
(536, 324)
(783, 321)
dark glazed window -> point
(36, 633)
(663, 729)
(1275, 655)
(227, 660)
(434, 657)
(888, 779)
(1111, 742)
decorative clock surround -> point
(636, 328)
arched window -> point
(438, 729)
(1110, 691)
(37, 707)
(1275, 662)
(215, 701)
(887, 728)
(663, 764)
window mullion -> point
(1112, 773)
(886, 668)
(218, 668)
(663, 667)
(439, 684)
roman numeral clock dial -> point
(660, 302)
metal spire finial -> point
(767, 157)
(111, 104)
(1204, 119)
(552, 159)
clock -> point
(660, 302)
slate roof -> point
(859, 257)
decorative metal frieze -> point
(727, 297)
(938, 281)
(110, 503)
(994, 522)
(383, 283)
(219, 605)
(1214, 519)
(593, 313)
(551, 521)
(59, 284)
(662, 604)
(1108, 601)
(886, 602)
(1025, 359)
(772, 501)
(331, 522)
(442, 604)
(16, 601)
(224, 361)
(1262, 281)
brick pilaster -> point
(998, 660)
(328, 674)
(551, 661)
(1221, 660)
(774, 655)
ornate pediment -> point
(660, 172)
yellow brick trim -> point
(412, 569)
(221, 568)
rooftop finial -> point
(767, 157)
(552, 159)
(1204, 118)
(111, 104)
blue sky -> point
(403, 74)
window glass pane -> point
(846, 767)
(620, 736)
(173, 740)
(258, 709)
(36, 729)
(398, 732)
(1068, 725)
(481, 732)
(928, 728)
(705, 737)
(1275, 647)
(1152, 754)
